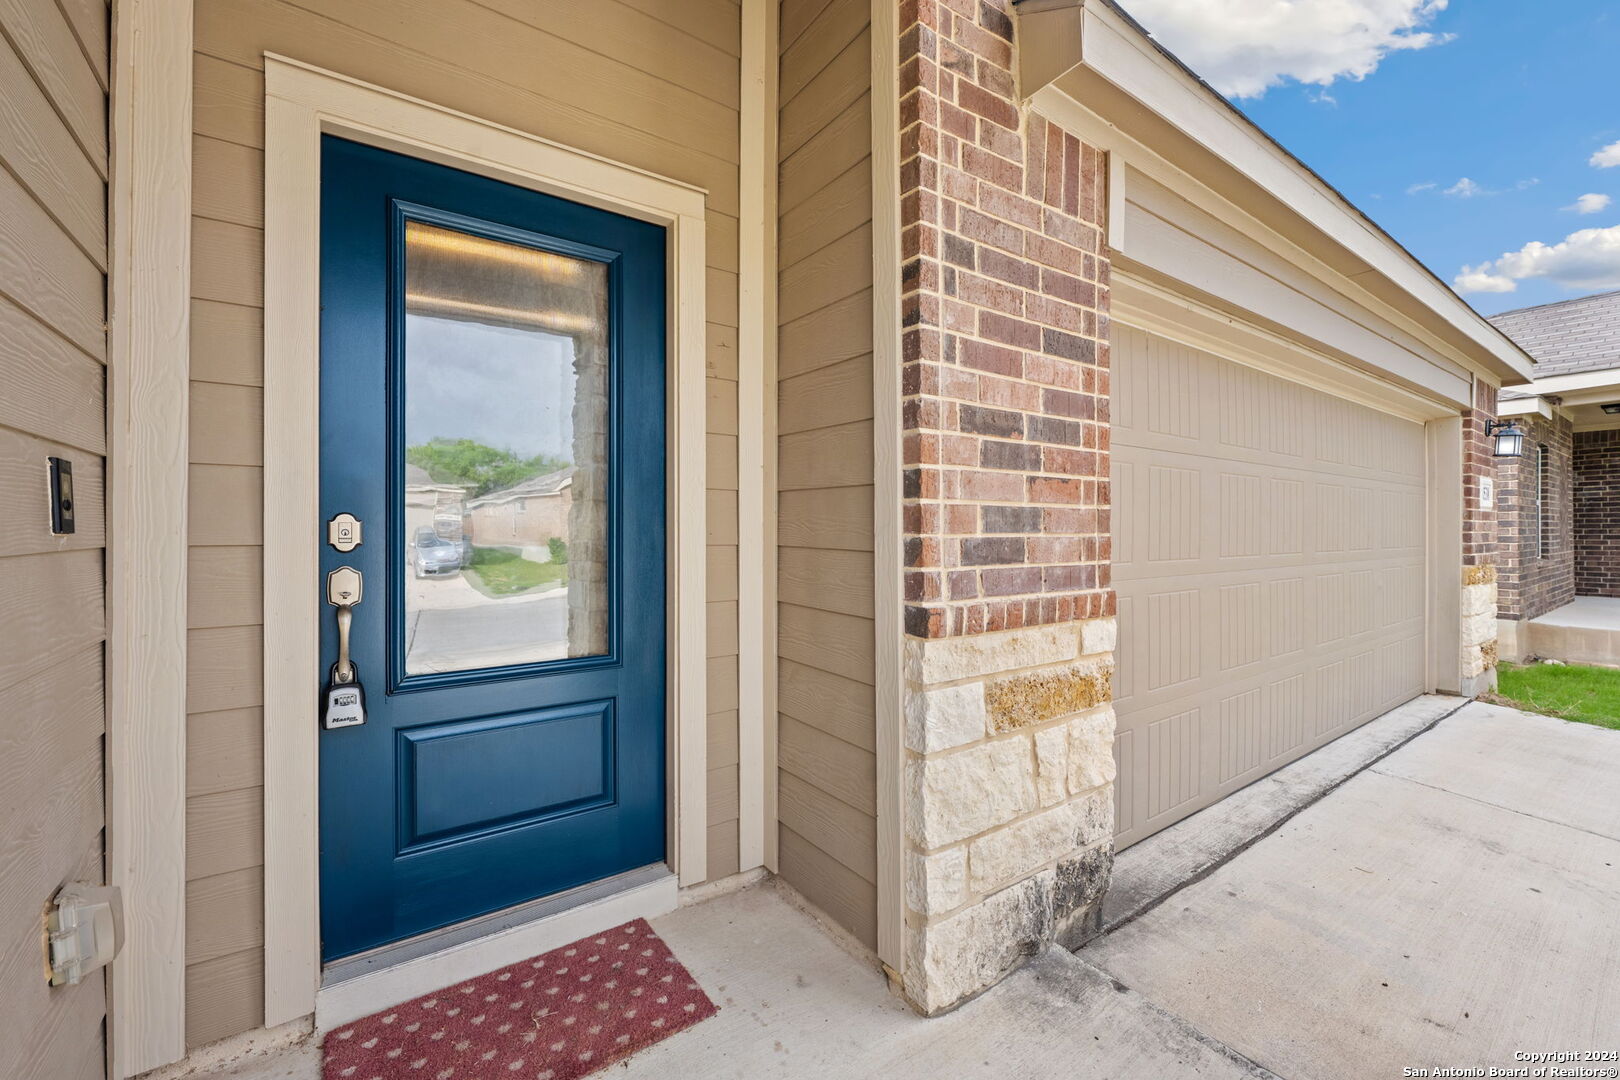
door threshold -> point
(361, 985)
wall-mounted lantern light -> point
(1509, 439)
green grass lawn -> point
(1590, 695)
(498, 571)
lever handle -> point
(343, 589)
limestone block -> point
(941, 719)
(1091, 750)
(1098, 636)
(1052, 764)
(963, 794)
(936, 883)
(1081, 882)
(1473, 661)
(1003, 856)
(1039, 696)
(1479, 599)
(1093, 817)
(941, 660)
(954, 958)
(1478, 629)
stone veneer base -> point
(1010, 813)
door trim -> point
(302, 103)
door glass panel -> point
(506, 453)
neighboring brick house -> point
(1559, 504)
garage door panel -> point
(1269, 563)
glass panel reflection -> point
(506, 467)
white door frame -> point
(302, 103)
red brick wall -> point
(1479, 524)
(1597, 513)
(1530, 584)
(1005, 301)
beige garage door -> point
(1269, 560)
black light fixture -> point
(1509, 439)
(1612, 408)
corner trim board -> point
(888, 598)
(148, 415)
(303, 102)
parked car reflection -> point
(432, 554)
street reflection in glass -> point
(506, 453)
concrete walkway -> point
(1455, 903)
(1452, 904)
(1584, 631)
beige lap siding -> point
(651, 83)
(826, 730)
(53, 351)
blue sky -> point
(1466, 129)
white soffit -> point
(1088, 51)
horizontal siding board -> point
(224, 996)
(720, 353)
(234, 495)
(721, 572)
(227, 424)
(722, 627)
(224, 832)
(722, 671)
(826, 457)
(50, 604)
(636, 39)
(722, 739)
(829, 274)
(720, 406)
(721, 859)
(482, 49)
(840, 769)
(807, 53)
(225, 669)
(839, 393)
(825, 96)
(25, 523)
(835, 827)
(846, 898)
(52, 389)
(39, 149)
(829, 334)
(227, 343)
(224, 751)
(227, 181)
(796, 17)
(839, 207)
(844, 141)
(486, 66)
(225, 587)
(90, 21)
(838, 581)
(722, 794)
(227, 262)
(713, 22)
(841, 644)
(44, 271)
(838, 518)
(843, 708)
(720, 520)
(227, 102)
(720, 455)
(47, 45)
(224, 914)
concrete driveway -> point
(1452, 905)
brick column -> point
(1597, 513)
(1009, 613)
(1479, 547)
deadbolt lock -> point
(343, 532)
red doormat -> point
(564, 1014)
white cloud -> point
(1415, 188)
(1587, 259)
(1606, 158)
(1244, 47)
(1590, 203)
(1465, 189)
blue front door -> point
(492, 414)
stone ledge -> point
(935, 661)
